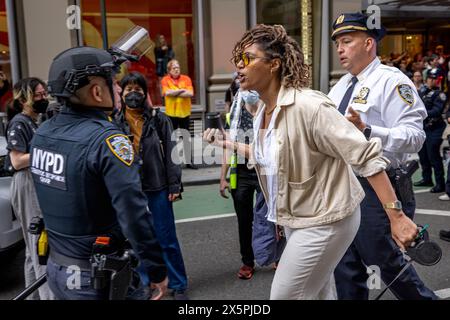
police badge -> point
(406, 93)
(121, 147)
(362, 96)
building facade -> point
(201, 34)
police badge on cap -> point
(351, 22)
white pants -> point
(305, 271)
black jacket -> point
(159, 169)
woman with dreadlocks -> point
(304, 152)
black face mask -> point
(134, 99)
(40, 106)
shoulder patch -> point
(406, 93)
(443, 96)
(121, 147)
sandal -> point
(246, 272)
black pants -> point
(430, 156)
(183, 123)
(374, 246)
(180, 123)
(243, 196)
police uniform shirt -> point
(88, 183)
(388, 101)
(434, 101)
(20, 132)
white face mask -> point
(250, 97)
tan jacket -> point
(317, 150)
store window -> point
(295, 16)
(5, 64)
(171, 20)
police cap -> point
(350, 22)
(71, 68)
(433, 73)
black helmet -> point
(70, 69)
(434, 73)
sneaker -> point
(444, 235)
(246, 272)
(179, 295)
(444, 197)
(437, 189)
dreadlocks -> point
(275, 42)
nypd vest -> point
(73, 199)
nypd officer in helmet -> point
(383, 103)
(434, 126)
(86, 179)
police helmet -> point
(433, 73)
(71, 68)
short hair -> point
(171, 63)
(276, 43)
(134, 78)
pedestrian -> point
(177, 90)
(243, 181)
(151, 133)
(163, 54)
(434, 126)
(231, 93)
(30, 97)
(446, 195)
(87, 181)
(304, 151)
(382, 103)
(418, 80)
(5, 92)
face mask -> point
(134, 99)
(40, 106)
(250, 97)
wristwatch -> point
(367, 131)
(393, 205)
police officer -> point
(434, 126)
(86, 180)
(383, 103)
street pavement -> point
(209, 241)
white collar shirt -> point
(266, 155)
(388, 101)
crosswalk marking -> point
(433, 212)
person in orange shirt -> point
(177, 90)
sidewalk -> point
(203, 175)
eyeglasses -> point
(246, 58)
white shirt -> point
(266, 155)
(388, 101)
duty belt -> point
(65, 261)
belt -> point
(65, 261)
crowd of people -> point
(322, 168)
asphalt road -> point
(211, 254)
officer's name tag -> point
(48, 168)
